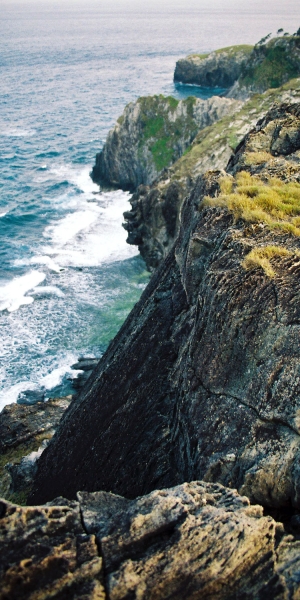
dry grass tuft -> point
(274, 202)
(260, 257)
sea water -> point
(67, 277)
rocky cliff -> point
(219, 69)
(153, 221)
(152, 134)
(244, 69)
(194, 541)
(202, 381)
(268, 66)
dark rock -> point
(31, 397)
(20, 423)
(24, 432)
(85, 364)
(202, 380)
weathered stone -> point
(217, 69)
(20, 423)
(194, 541)
(45, 553)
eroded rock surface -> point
(153, 133)
(194, 541)
(46, 553)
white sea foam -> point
(49, 290)
(38, 260)
(3, 214)
(12, 294)
(68, 227)
(10, 394)
(56, 376)
(17, 132)
(46, 379)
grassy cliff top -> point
(230, 50)
(273, 203)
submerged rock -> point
(152, 134)
(31, 397)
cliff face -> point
(202, 381)
(153, 222)
(152, 134)
(217, 69)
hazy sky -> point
(291, 6)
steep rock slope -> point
(151, 134)
(193, 541)
(269, 66)
(220, 69)
(202, 381)
(153, 221)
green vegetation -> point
(162, 133)
(272, 64)
(201, 56)
(232, 50)
(260, 257)
(274, 203)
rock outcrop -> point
(25, 429)
(153, 222)
(269, 66)
(202, 381)
(219, 69)
(153, 133)
(197, 540)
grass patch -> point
(274, 203)
(232, 50)
(260, 257)
(257, 158)
(201, 56)
(162, 153)
(164, 133)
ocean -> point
(67, 277)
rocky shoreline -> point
(173, 473)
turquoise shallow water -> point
(68, 279)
